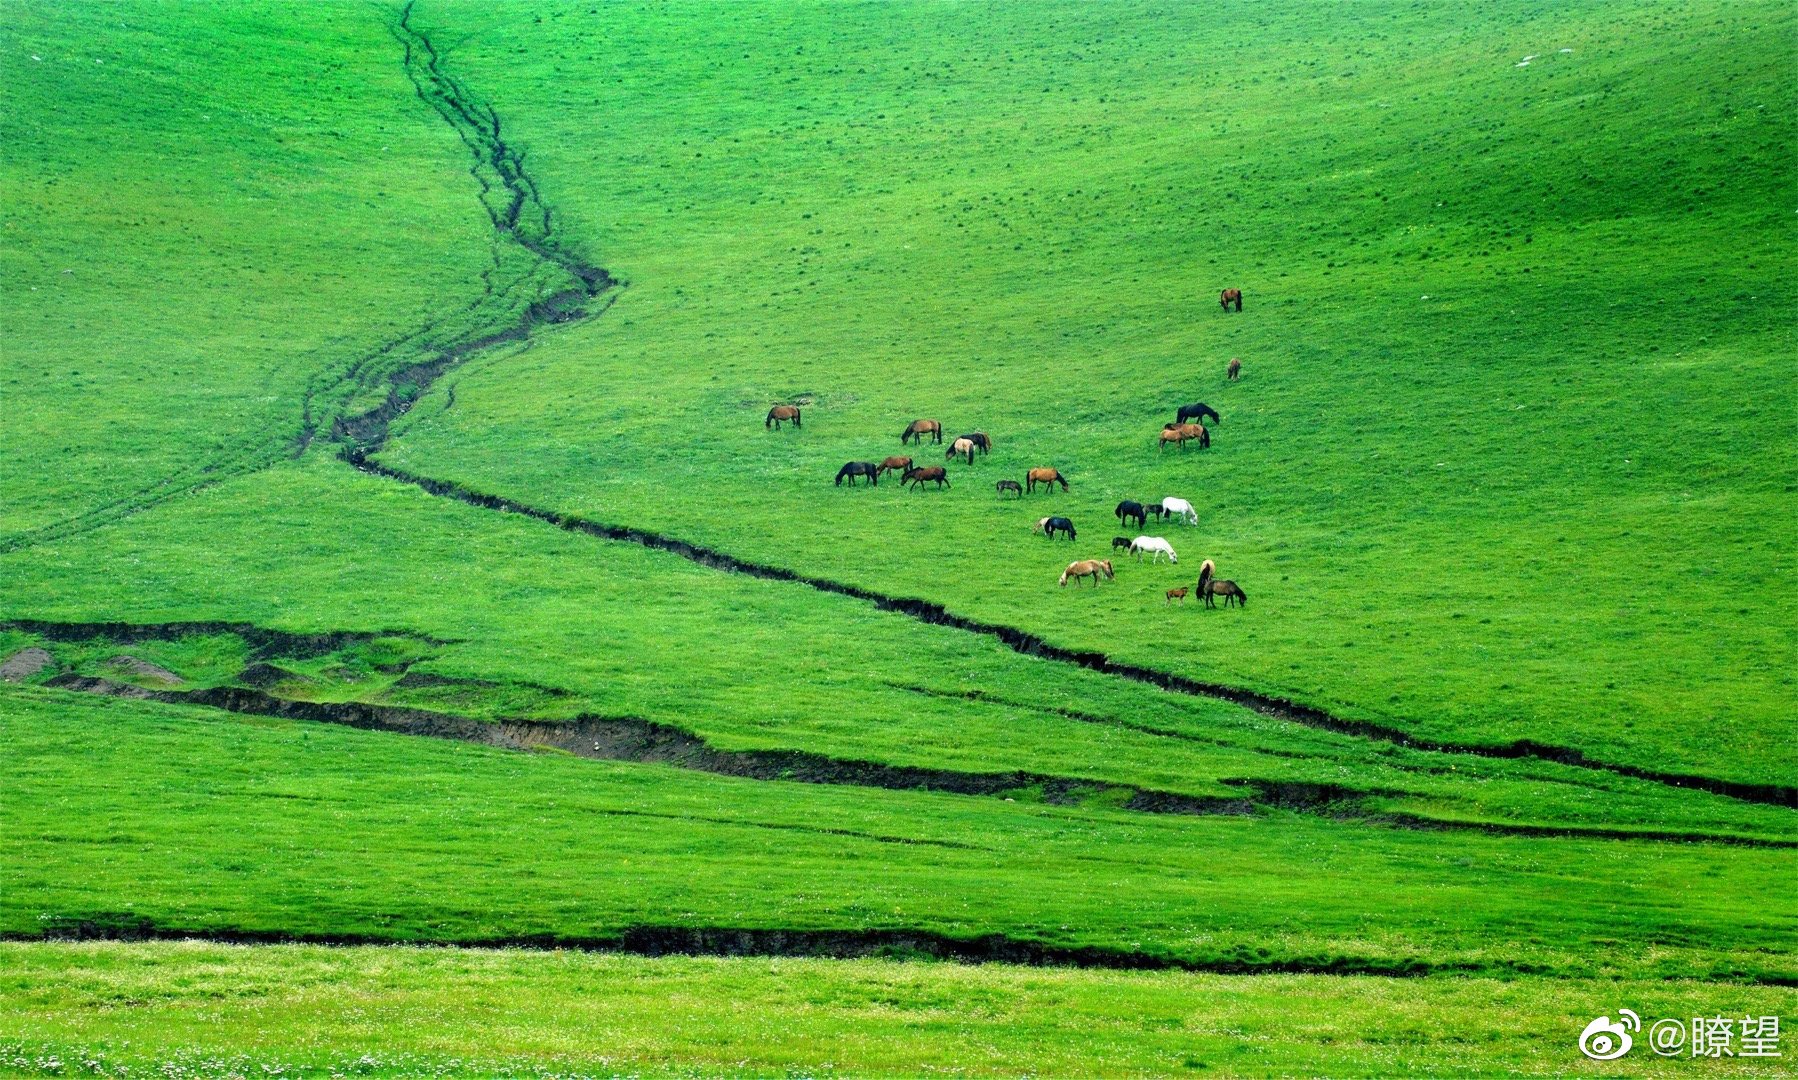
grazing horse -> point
(1046, 477)
(779, 413)
(1176, 594)
(921, 428)
(895, 464)
(1197, 410)
(1181, 509)
(1181, 434)
(1120, 543)
(929, 472)
(1130, 509)
(1230, 296)
(963, 445)
(1049, 525)
(854, 469)
(981, 440)
(1209, 587)
(1004, 486)
(1156, 546)
(1091, 568)
(1234, 371)
(1157, 509)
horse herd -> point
(1188, 426)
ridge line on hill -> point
(1029, 644)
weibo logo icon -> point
(1606, 1041)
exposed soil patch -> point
(143, 669)
(25, 663)
(263, 642)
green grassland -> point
(565, 1014)
(1512, 457)
(1513, 453)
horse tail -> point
(796, 422)
(1206, 569)
(768, 423)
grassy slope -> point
(402, 1011)
(191, 244)
(764, 661)
(1462, 513)
(268, 826)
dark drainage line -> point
(1031, 645)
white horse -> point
(1181, 509)
(1156, 546)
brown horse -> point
(1091, 568)
(779, 413)
(1179, 434)
(921, 428)
(1175, 594)
(1234, 371)
(1230, 296)
(1209, 587)
(895, 464)
(981, 440)
(921, 476)
(963, 445)
(1046, 477)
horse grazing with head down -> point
(1210, 587)
(895, 464)
(1046, 477)
(963, 445)
(1156, 546)
(780, 413)
(981, 440)
(1234, 371)
(1176, 594)
(928, 473)
(1199, 411)
(1230, 296)
(1013, 486)
(921, 428)
(854, 469)
(1181, 434)
(1180, 508)
(1128, 509)
(1049, 526)
(1120, 543)
(1091, 568)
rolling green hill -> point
(405, 368)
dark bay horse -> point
(929, 472)
(981, 440)
(1130, 509)
(1209, 588)
(779, 413)
(1046, 477)
(1004, 486)
(1197, 409)
(1230, 296)
(1234, 371)
(854, 469)
(921, 428)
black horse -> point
(1157, 509)
(1051, 525)
(1197, 408)
(1120, 543)
(1130, 509)
(859, 468)
(1004, 486)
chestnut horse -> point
(854, 469)
(963, 445)
(779, 413)
(1230, 296)
(921, 428)
(1091, 568)
(895, 464)
(1180, 434)
(1176, 594)
(1234, 371)
(929, 472)
(1046, 477)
